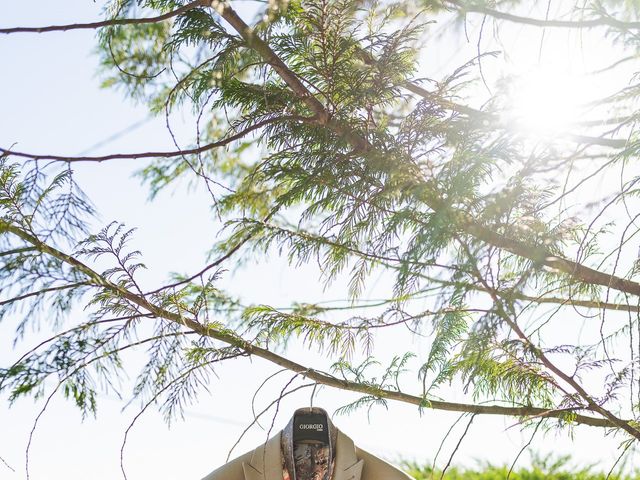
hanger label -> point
(311, 426)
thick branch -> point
(260, 46)
(542, 256)
(495, 119)
(321, 114)
(570, 380)
(106, 23)
(16, 251)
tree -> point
(320, 138)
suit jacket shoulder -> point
(232, 470)
(374, 468)
(251, 466)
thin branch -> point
(16, 251)
(591, 304)
(82, 326)
(69, 375)
(4, 462)
(256, 418)
(620, 457)
(464, 434)
(255, 394)
(524, 447)
(499, 122)
(42, 292)
(390, 262)
(592, 23)
(155, 397)
(177, 153)
(107, 23)
(213, 264)
(444, 439)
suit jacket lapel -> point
(347, 466)
(266, 462)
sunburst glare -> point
(547, 102)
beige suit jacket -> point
(265, 463)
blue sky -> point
(50, 102)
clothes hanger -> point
(310, 434)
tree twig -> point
(107, 23)
(175, 153)
(591, 23)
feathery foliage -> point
(322, 137)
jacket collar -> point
(287, 444)
(347, 466)
(266, 460)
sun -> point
(547, 101)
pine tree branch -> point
(322, 115)
(591, 23)
(542, 256)
(591, 304)
(106, 23)
(392, 263)
(465, 221)
(496, 120)
(78, 367)
(594, 406)
(82, 326)
(481, 115)
(595, 304)
(234, 340)
(261, 47)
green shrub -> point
(542, 468)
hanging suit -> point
(269, 460)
